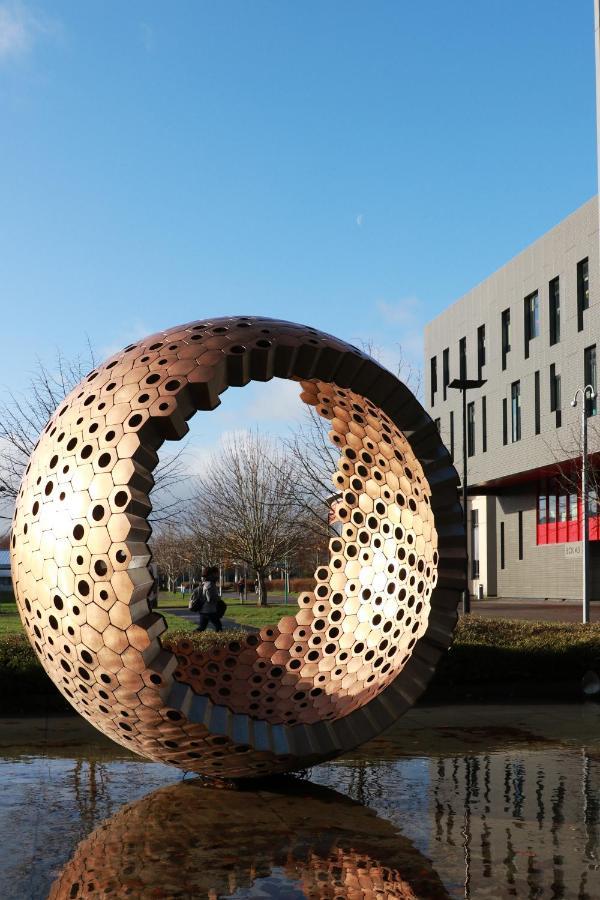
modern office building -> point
(532, 331)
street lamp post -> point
(586, 393)
(463, 385)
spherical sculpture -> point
(363, 644)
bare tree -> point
(23, 417)
(567, 450)
(407, 371)
(245, 507)
(168, 547)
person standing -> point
(210, 601)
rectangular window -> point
(438, 424)
(462, 356)
(552, 387)
(520, 534)
(551, 509)
(542, 509)
(592, 502)
(515, 409)
(470, 429)
(480, 350)
(536, 402)
(452, 436)
(446, 370)
(501, 545)
(474, 543)
(554, 308)
(583, 291)
(562, 507)
(531, 313)
(505, 336)
(555, 395)
(573, 508)
(433, 378)
(589, 377)
(483, 424)
(504, 422)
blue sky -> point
(353, 165)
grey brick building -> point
(531, 330)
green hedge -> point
(490, 659)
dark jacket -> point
(210, 595)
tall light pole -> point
(586, 393)
(463, 385)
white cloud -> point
(398, 343)
(276, 401)
(20, 28)
(130, 335)
(360, 219)
(407, 311)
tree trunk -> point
(261, 589)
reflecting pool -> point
(466, 801)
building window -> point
(536, 402)
(452, 436)
(531, 310)
(555, 395)
(520, 534)
(446, 370)
(480, 350)
(560, 514)
(583, 291)
(515, 411)
(474, 543)
(462, 356)
(470, 429)
(554, 308)
(562, 508)
(505, 336)
(501, 545)
(504, 422)
(589, 377)
(573, 507)
(438, 424)
(483, 425)
(433, 378)
(542, 509)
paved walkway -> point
(193, 617)
(531, 610)
(534, 610)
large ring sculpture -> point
(363, 644)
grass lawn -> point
(244, 614)
(524, 658)
(10, 623)
(174, 600)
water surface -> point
(486, 802)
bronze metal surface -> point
(190, 841)
(363, 643)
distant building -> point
(5, 579)
(531, 330)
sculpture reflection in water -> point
(188, 841)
